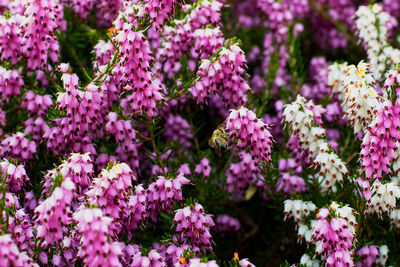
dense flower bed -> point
(199, 133)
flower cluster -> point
(354, 85)
(40, 42)
(18, 147)
(95, 247)
(223, 75)
(135, 72)
(10, 83)
(177, 129)
(36, 104)
(251, 132)
(11, 38)
(203, 168)
(193, 226)
(335, 240)
(10, 254)
(242, 174)
(225, 224)
(302, 120)
(110, 190)
(54, 214)
(384, 197)
(372, 29)
(298, 209)
(15, 174)
(163, 193)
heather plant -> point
(199, 133)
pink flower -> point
(379, 142)
(223, 75)
(18, 147)
(53, 215)
(16, 175)
(10, 84)
(226, 224)
(96, 248)
(250, 132)
(162, 194)
(11, 38)
(110, 190)
(36, 104)
(11, 256)
(194, 226)
(203, 168)
(40, 42)
(134, 71)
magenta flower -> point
(223, 75)
(242, 174)
(20, 226)
(10, 254)
(193, 226)
(206, 42)
(137, 208)
(379, 142)
(110, 190)
(177, 129)
(11, 38)
(10, 84)
(121, 129)
(162, 194)
(335, 239)
(40, 42)
(36, 104)
(203, 168)
(16, 175)
(225, 224)
(96, 248)
(250, 132)
(17, 147)
(135, 72)
(159, 10)
(53, 215)
(291, 183)
(36, 128)
(369, 256)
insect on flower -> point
(219, 139)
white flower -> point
(308, 261)
(371, 26)
(383, 199)
(354, 86)
(298, 209)
(383, 255)
(300, 119)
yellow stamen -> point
(236, 256)
(182, 260)
(360, 73)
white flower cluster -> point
(331, 167)
(371, 24)
(336, 74)
(298, 209)
(354, 85)
(309, 262)
(383, 198)
(301, 120)
(305, 231)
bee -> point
(219, 139)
